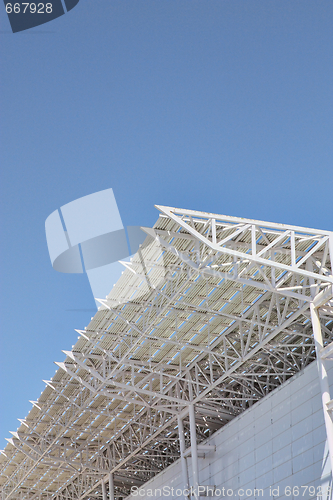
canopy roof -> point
(212, 310)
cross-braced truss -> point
(212, 313)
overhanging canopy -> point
(212, 311)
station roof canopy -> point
(212, 311)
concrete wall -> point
(280, 442)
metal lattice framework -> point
(211, 314)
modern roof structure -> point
(211, 314)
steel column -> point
(182, 457)
(194, 451)
(324, 385)
(111, 487)
(104, 491)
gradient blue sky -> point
(216, 105)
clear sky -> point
(216, 105)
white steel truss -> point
(212, 314)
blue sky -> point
(217, 105)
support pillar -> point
(104, 491)
(182, 457)
(324, 385)
(111, 487)
(194, 452)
